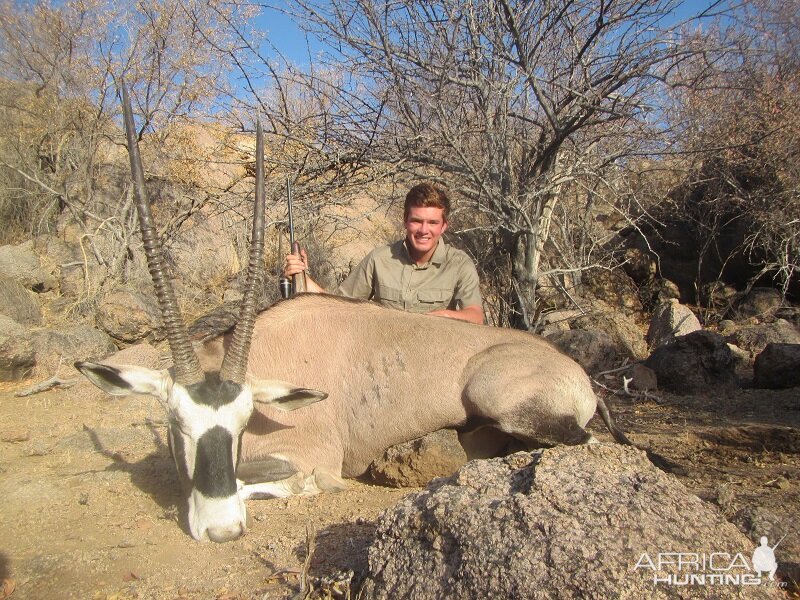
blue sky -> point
(285, 35)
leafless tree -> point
(60, 66)
(507, 103)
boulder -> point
(626, 334)
(56, 348)
(22, 264)
(570, 522)
(694, 363)
(670, 320)
(556, 320)
(639, 265)
(758, 302)
(415, 463)
(18, 303)
(17, 356)
(777, 367)
(718, 295)
(656, 291)
(595, 351)
(778, 526)
(754, 338)
(128, 315)
(642, 378)
(614, 287)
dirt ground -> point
(90, 504)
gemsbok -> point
(389, 377)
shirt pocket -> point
(388, 296)
(434, 299)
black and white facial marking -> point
(205, 436)
(206, 425)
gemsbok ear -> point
(283, 395)
(127, 380)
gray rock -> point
(17, 357)
(57, 347)
(693, 363)
(758, 302)
(557, 320)
(415, 463)
(570, 522)
(644, 378)
(128, 315)
(595, 351)
(621, 328)
(777, 367)
(754, 338)
(778, 526)
(614, 287)
(19, 303)
(718, 295)
(23, 264)
(670, 320)
(639, 265)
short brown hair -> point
(427, 194)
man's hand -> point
(472, 313)
(294, 264)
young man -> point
(419, 274)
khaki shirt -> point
(389, 276)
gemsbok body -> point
(389, 377)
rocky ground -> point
(90, 504)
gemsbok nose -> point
(225, 533)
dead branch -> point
(48, 384)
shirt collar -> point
(437, 259)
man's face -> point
(424, 226)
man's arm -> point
(467, 294)
(472, 313)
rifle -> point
(298, 282)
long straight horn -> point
(187, 367)
(234, 366)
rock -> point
(19, 303)
(595, 351)
(22, 264)
(557, 320)
(569, 522)
(415, 463)
(656, 291)
(615, 288)
(758, 302)
(639, 265)
(693, 363)
(621, 328)
(644, 378)
(777, 367)
(128, 315)
(755, 521)
(670, 320)
(142, 355)
(56, 348)
(754, 338)
(17, 357)
(718, 295)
